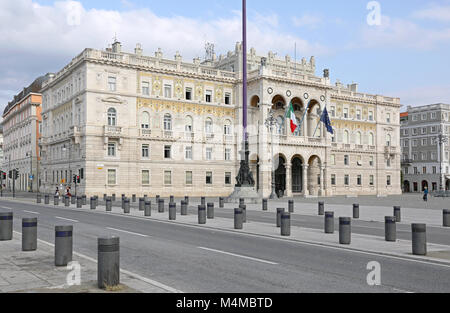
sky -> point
(397, 48)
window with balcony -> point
(358, 138)
(370, 115)
(167, 122)
(345, 112)
(188, 127)
(346, 137)
(112, 117)
(227, 128)
(208, 126)
(358, 114)
(388, 140)
(145, 120)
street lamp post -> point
(270, 123)
(441, 140)
(31, 177)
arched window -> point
(189, 128)
(371, 139)
(346, 137)
(112, 117)
(388, 140)
(208, 126)
(358, 138)
(145, 120)
(227, 128)
(167, 122)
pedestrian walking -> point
(425, 194)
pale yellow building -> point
(133, 124)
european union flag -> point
(326, 120)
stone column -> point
(305, 180)
(288, 180)
(322, 181)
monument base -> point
(248, 193)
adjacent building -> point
(425, 132)
(136, 124)
(21, 123)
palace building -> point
(135, 124)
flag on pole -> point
(326, 120)
(291, 116)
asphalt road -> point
(194, 259)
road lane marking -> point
(134, 275)
(239, 256)
(66, 219)
(31, 212)
(126, 232)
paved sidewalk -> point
(35, 272)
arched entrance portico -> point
(406, 186)
(280, 175)
(425, 185)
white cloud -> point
(307, 20)
(424, 95)
(37, 39)
(436, 13)
(397, 32)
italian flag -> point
(290, 115)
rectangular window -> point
(433, 156)
(388, 162)
(227, 98)
(188, 153)
(371, 180)
(346, 180)
(333, 179)
(333, 111)
(112, 83)
(209, 154)
(167, 91)
(167, 152)
(209, 178)
(145, 151)
(370, 116)
(111, 149)
(227, 178)
(346, 160)
(188, 178)
(227, 154)
(145, 177)
(167, 178)
(208, 96)
(388, 118)
(111, 176)
(188, 93)
(424, 170)
(424, 142)
(145, 88)
(358, 114)
(388, 180)
(346, 113)
(333, 159)
(416, 170)
(359, 180)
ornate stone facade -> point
(127, 123)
